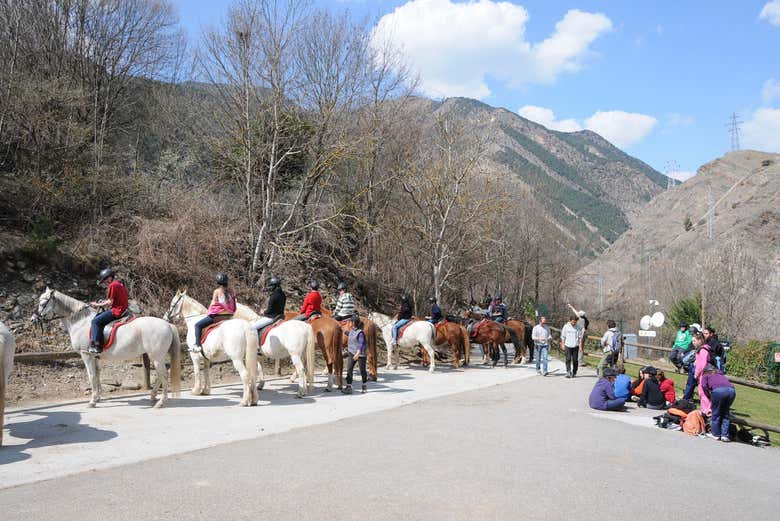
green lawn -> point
(751, 404)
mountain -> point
(589, 189)
(670, 253)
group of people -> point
(652, 389)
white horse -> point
(233, 339)
(419, 333)
(293, 339)
(149, 335)
(7, 348)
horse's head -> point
(45, 309)
(174, 309)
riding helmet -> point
(105, 273)
(498, 296)
(431, 299)
(342, 285)
(314, 284)
(356, 320)
(405, 298)
(274, 282)
(222, 279)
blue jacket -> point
(435, 313)
(601, 392)
(622, 386)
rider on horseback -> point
(497, 310)
(436, 315)
(223, 306)
(403, 317)
(345, 305)
(116, 299)
(312, 303)
(276, 302)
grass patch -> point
(751, 404)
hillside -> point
(738, 268)
(587, 187)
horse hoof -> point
(92, 405)
(261, 386)
(373, 378)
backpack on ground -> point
(684, 405)
(694, 424)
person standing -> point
(682, 344)
(541, 337)
(345, 304)
(721, 393)
(583, 324)
(610, 346)
(702, 359)
(356, 347)
(117, 302)
(570, 345)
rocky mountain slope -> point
(589, 189)
(669, 253)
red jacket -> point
(667, 387)
(118, 295)
(312, 303)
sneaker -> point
(538, 371)
(347, 389)
(545, 373)
(712, 436)
(95, 349)
(568, 375)
(725, 439)
(363, 389)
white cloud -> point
(456, 46)
(676, 119)
(771, 12)
(762, 130)
(546, 117)
(770, 90)
(620, 128)
(681, 176)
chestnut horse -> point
(494, 335)
(327, 335)
(454, 335)
(371, 332)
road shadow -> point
(189, 401)
(51, 428)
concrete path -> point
(50, 442)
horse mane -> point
(78, 309)
(199, 308)
(245, 312)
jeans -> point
(690, 385)
(607, 360)
(200, 325)
(351, 368)
(722, 398)
(398, 325)
(616, 404)
(676, 357)
(100, 321)
(541, 357)
(261, 322)
(571, 359)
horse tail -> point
(515, 340)
(309, 360)
(338, 361)
(250, 355)
(466, 342)
(371, 335)
(175, 353)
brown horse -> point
(456, 336)
(495, 336)
(371, 332)
(519, 327)
(327, 336)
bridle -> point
(39, 319)
(168, 314)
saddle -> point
(262, 333)
(440, 323)
(218, 320)
(477, 326)
(313, 317)
(403, 328)
(109, 331)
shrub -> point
(748, 360)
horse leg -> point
(246, 398)
(506, 356)
(455, 345)
(90, 364)
(162, 381)
(331, 377)
(389, 356)
(298, 364)
(294, 374)
(261, 378)
(206, 378)
(197, 387)
(432, 355)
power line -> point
(733, 126)
(671, 167)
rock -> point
(16, 312)
(28, 277)
(130, 384)
(25, 300)
(39, 286)
(111, 383)
(21, 265)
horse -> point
(495, 335)
(233, 338)
(371, 332)
(144, 335)
(420, 333)
(522, 330)
(457, 338)
(7, 349)
(292, 338)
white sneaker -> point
(538, 371)
(710, 435)
(725, 439)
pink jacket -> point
(702, 359)
(223, 308)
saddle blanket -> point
(109, 332)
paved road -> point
(528, 449)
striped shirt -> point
(345, 305)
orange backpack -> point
(694, 424)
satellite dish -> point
(695, 326)
(657, 320)
(644, 322)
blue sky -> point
(658, 78)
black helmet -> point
(683, 324)
(356, 320)
(405, 298)
(222, 279)
(498, 296)
(274, 282)
(431, 299)
(314, 284)
(342, 285)
(105, 273)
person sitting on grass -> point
(637, 385)
(602, 397)
(667, 388)
(721, 393)
(652, 397)
(622, 384)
